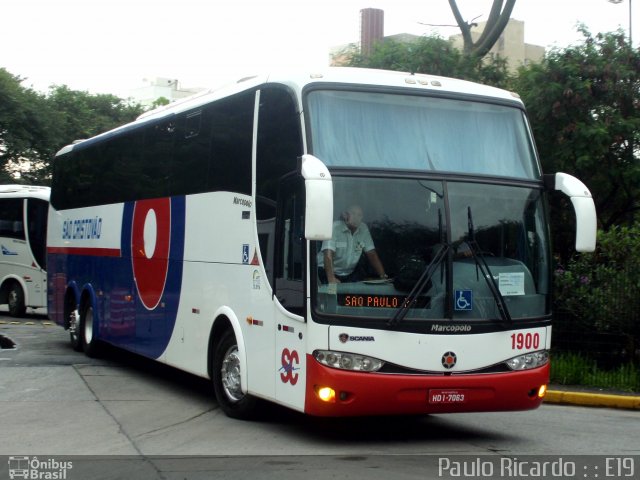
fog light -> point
(542, 391)
(326, 394)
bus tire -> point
(225, 373)
(15, 299)
(88, 338)
(74, 331)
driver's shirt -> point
(347, 247)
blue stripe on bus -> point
(122, 318)
(153, 328)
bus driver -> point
(339, 257)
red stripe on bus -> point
(91, 252)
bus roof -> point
(299, 79)
(25, 191)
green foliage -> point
(578, 369)
(584, 108)
(160, 102)
(430, 55)
(601, 289)
(23, 130)
(82, 115)
(33, 126)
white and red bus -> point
(23, 242)
(192, 236)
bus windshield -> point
(393, 131)
(407, 222)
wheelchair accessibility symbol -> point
(463, 300)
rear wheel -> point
(17, 307)
(87, 334)
(226, 378)
(74, 330)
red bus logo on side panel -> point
(290, 362)
(150, 241)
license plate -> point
(441, 396)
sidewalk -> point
(590, 397)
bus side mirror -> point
(585, 209)
(318, 222)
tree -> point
(82, 115)
(584, 105)
(160, 102)
(23, 131)
(34, 126)
(436, 56)
(498, 18)
(600, 289)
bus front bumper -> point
(357, 393)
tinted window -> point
(289, 263)
(231, 144)
(158, 150)
(37, 224)
(205, 149)
(11, 223)
(122, 169)
(190, 165)
(279, 146)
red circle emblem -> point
(449, 360)
(150, 240)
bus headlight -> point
(348, 361)
(529, 360)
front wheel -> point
(226, 379)
(17, 307)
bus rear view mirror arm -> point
(319, 199)
(586, 221)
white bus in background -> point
(23, 236)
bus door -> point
(289, 294)
(37, 213)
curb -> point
(593, 399)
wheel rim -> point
(230, 374)
(13, 298)
(88, 326)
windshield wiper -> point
(419, 287)
(481, 264)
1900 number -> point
(525, 340)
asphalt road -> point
(121, 416)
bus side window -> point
(190, 162)
(230, 129)
(289, 285)
(158, 150)
(121, 174)
(11, 224)
(278, 147)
